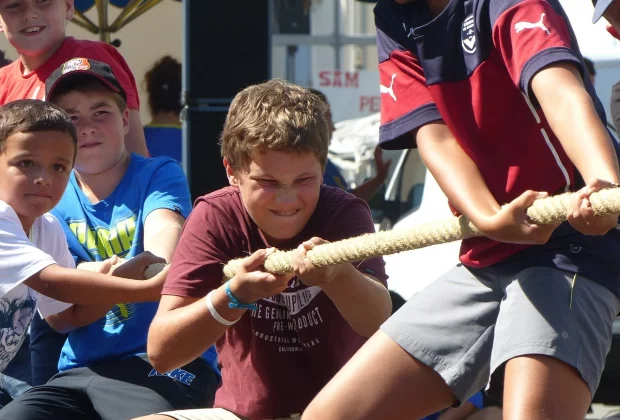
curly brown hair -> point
(163, 83)
(275, 115)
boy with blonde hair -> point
(280, 338)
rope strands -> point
(544, 211)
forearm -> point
(162, 240)
(178, 336)
(77, 316)
(455, 172)
(363, 302)
(573, 118)
(88, 288)
(584, 138)
(368, 189)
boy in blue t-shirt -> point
(116, 204)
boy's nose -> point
(286, 195)
(87, 129)
(31, 12)
(43, 178)
(43, 181)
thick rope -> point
(543, 211)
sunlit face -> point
(34, 27)
(101, 127)
(34, 172)
(280, 190)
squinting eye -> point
(26, 164)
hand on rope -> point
(306, 271)
(511, 223)
(583, 217)
(543, 211)
(250, 283)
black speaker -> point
(291, 17)
(227, 47)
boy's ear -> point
(70, 9)
(126, 120)
(230, 173)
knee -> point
(315, 411)
(488, 413)
(16, 411)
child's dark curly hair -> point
(4, 60)
(163, 83)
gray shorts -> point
(467, 323)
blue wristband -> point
(234, 303)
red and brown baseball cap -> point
(77, 68)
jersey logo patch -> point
(520, 26)
(410, 34)
(75, 64)
(468, 35)
(389, 89)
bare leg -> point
(541, 388)
(488, 413)
(458, 413)
(381, 381)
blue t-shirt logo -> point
(106, 242)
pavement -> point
(600, 411)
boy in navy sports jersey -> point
(495, 95)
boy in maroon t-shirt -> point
(280, 338)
